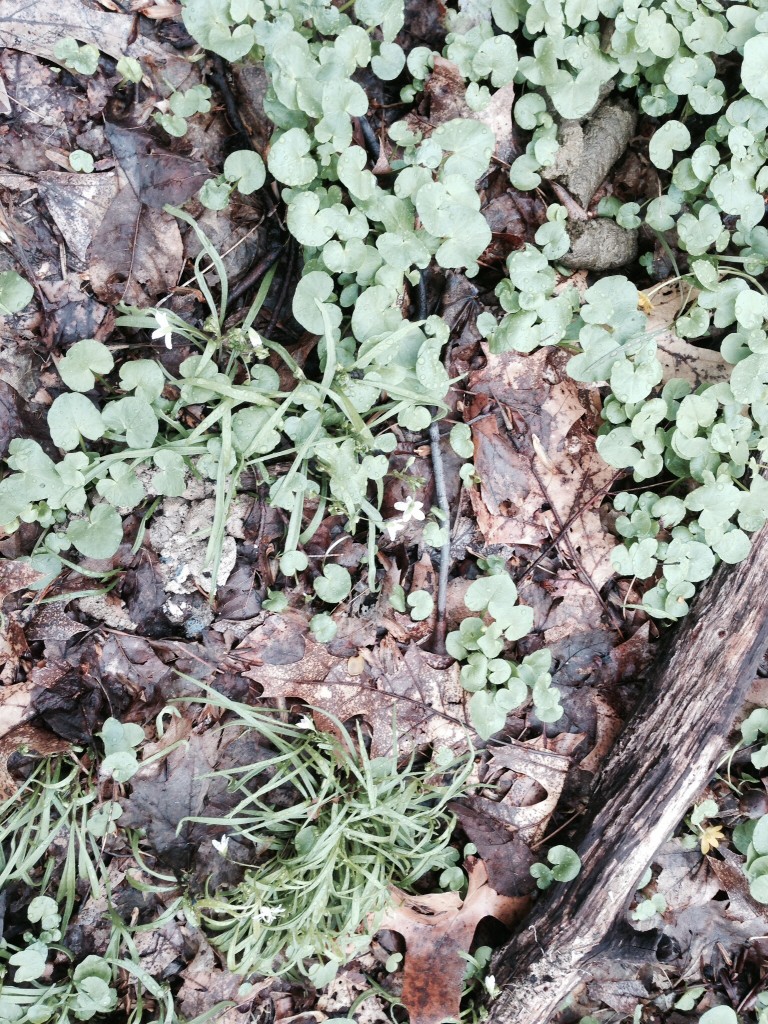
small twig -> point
(441, 496)
(574, 209)
(372, 143)
(219, 78)
(257, 271)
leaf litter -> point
(68, 665)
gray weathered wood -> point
(663, 758)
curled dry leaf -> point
(437, 928)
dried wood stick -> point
(665, 755)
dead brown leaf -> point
(681, 358)
(537, 461)
(31, 740)
(37, 27)
(418, 692)
(437, 928)
(527, 783)
(15, 576)
(136, 253)
(78, 204)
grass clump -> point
(354, 824)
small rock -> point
(599, 244)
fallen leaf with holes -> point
(528, 782)
(437, 929)
(541, 477)
(419, 693)
(681, 358)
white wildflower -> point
(491, 987)
(306, 724)
(269, 914)
(410, 509)
(392, 527)
(221, 845)
(164, 329)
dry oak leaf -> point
(437, 929)
(418, 693)
(537, 460)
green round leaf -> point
(100, 535)
(82, 362)
(144, 376)
(669, 137)
(566, 861)
(71, 417)
(754, 69)
(309, 301)
(323, 628)
(15, 292)
(134, 418)
(719, 1015)
(334, 585)
(214, 194)
(246, 169)
(79, 160)
(288, 158)
(421, 604)
(292, 562)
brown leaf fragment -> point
(730, 874)
(136, 253)
(529, 492)
(206, 985)
(15, 576)
(530, 781)
(437, 928)
(52, 624)
(417, 692)
(156, 176)
(679, 357)
(37, 27)
(29, 739)
(78, 204)
(446, 90)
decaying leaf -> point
(531, 781)
(36, 28)
(437, 928)
(528, 493)
(137, 250)
(416, 692)
(78, 204)
(681, 358)
(27, 738)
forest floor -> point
(122, 646)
